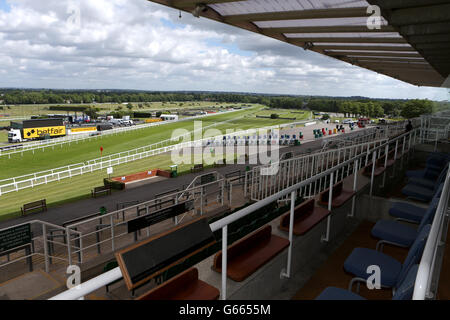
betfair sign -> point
(39, 132)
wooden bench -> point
(32, 206)
(340, 195)
(306, 216)
(197, 168)
(185, 286)
(101, 190)
(250, 253)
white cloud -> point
(136, 44)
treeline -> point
(60, 97)
(362, 107)
(351, 106)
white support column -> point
(355, 182)
(112, 232)
(44, 237)
(224, 262)
(286, 273)
(374, 159)
(326, 237)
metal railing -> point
(42, 244)
(301, 188)
(427, 279)
(105, 231)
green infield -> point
(73, 153)
(66, 154)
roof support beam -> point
(381, 59)
(430, 39)
(434, 45)
(347, 40)
(425, 29)
(430, 14)
(328, 29)
(300, 14)
(183, 4)
(373, 54)
(405, 66)
(366, 48)
(398, 4)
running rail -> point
(429, 264)
(83, 289)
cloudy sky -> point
(136, 44)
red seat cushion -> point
(305, 222)
(250, 254)
(185, 286)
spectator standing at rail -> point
(409, 126)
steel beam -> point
(300, 14)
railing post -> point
(355, 181)
(44, 237)
(112, 232)
(374, 158)
(326, 237)
(224, 262)
(286, 273)
(69, 250)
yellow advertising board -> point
(85, 129)
(152, 120)
(31, 133)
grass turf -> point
(66, 154)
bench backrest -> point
(337, 190)
(40, 203)
(245, 244)
(301, 210)
(102, 188)
(176, 284)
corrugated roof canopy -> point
(412, 45)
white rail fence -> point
(39, 178)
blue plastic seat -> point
(392, 270)
(407, 211)
(421, 193)
(404, 291)
(429, 183)
(423, 174)
(399, 234)
(418, 193)
(333, 293)
(422, 182)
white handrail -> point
(425, 272)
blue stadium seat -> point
(422, 193)
(392, 270)
(434, 166)
(404, 291)
(333, 293)
(428, 183)
(399, 234)
(407, 211)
